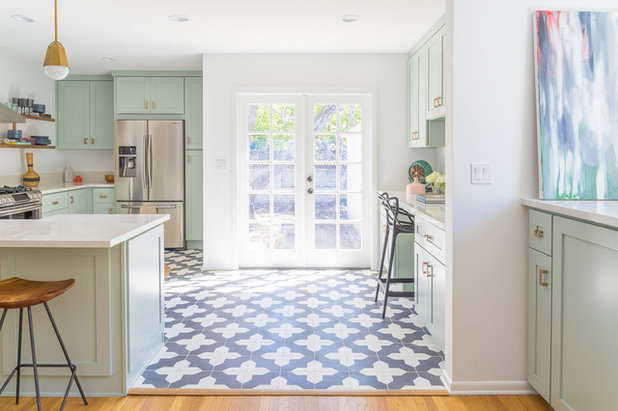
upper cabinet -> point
(150, 95)
(426, 90)
(85, 114)
(194, 113)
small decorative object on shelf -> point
(78, 180)
(437, 181)
(31, 178)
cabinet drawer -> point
(54, 203)
(103, 195)
(431, 238)
(539, 231)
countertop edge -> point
(76, 187)
(417, 212)
(564, 210)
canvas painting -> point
(577, 85)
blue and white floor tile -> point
(287, 330)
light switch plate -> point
(221, 164)
(481, 173)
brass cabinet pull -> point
(91, 140)
(145, 103)
(54, 202)
(85, 140)
(152, 104)
(103, 196)
(427, 237)
(439, 101)
(109, 210)
(188, 140)
(543, 272)
(72, 199)
(538, 232)
(429, 273)
(435, 102)
(188, 158)
(425, 264)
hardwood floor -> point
(262, 403)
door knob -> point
(310, 178)
(310, 191)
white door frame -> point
(239, 141)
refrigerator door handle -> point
(149, 164)
(145, 183)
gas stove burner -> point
(11, 190)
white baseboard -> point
(446, 380)
(491, 388)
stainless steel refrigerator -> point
(149, 173)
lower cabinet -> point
(84, 200)
(194, 198)
(572, 311)
(80, 201)
(430, 287)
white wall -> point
(20, 80)
(493, 118)
(225, 74)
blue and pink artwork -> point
(577, 84)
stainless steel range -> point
(20, 202)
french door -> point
(304, 178)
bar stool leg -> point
(390, 270)
(66, 356)
(2, 319)
(34, 365)
(21, 323)
(382, 263)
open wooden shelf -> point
(26, 147)
(38, 118)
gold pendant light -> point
(56, 64)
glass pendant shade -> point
(56, 64)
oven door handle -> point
(20, 209)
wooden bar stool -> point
(399, 221)
(19, 293)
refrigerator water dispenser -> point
(127, 159)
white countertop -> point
(76, 230)
(600, 212)
(58, 187)
(434, 214)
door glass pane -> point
(350, 147)
(283, 147)
(325, 236)
(350, 207)
(259, 236)
(259, 176)
(283, 206)
(259, 206)
(325, 147)
(350, 177)
(325, 117)
(259, 147)
(325, 177)
(284, 177)
(259, 117)
(283, 117)
(350, 117)
(284, 236)
(350, 236)
(325, 206)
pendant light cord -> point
(56, 19)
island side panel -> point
(88, 317)
(144, 309)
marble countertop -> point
(76, 230)
(58, 187)
(434, 214)
(600, 212)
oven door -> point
(21, 212)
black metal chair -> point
(17, 293)
(398, 221)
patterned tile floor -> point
(287, 330)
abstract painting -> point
(577, 85)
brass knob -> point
(538, 232)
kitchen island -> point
(112, 320)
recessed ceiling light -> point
(179, 18)
(350, 18)
(22, 19)
(110, 59)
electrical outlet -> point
(481, 173)
(221, 164)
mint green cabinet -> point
(584, 364)
(539, 321)
(80, 201)
(435, 95)
(194, 198)
(55, 203)
(194, 113)
(85, 114)
(413, 101)
(430, 281)
(149, 95)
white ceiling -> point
(140, 35)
